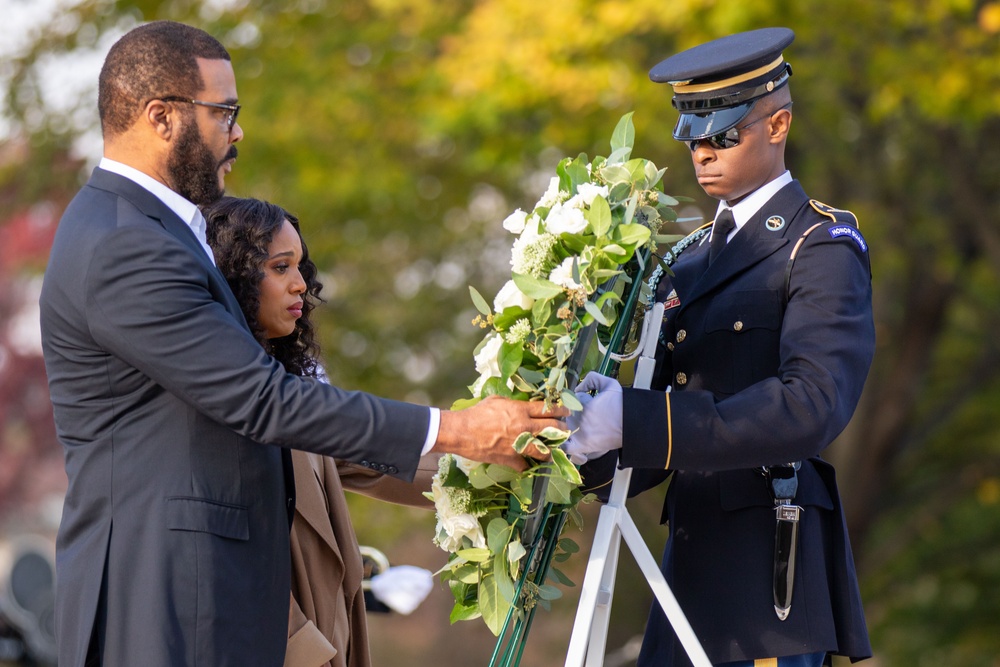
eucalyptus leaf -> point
(559, 576)
(479, 301)
(570, 401)
(515, 552)
(558, 490)
(546, 592)
(498, 533)
(479, 479)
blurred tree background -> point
(402, 132)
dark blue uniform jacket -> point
(758, 375)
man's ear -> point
(161, 117)
(779, 125)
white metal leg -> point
(593, 614)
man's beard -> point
(193, 170)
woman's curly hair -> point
(240, 232)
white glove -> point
(403, 587)
(598, 427)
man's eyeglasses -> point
(730, 137)
(233, 109)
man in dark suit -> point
(173, 547)
(761, 364)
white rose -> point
(562, 275)
(514, 222)
(487, 362)
(465, 465)
(588, 191)
(565, 219)
(509, 295)
(457, 526)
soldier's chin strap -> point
(782, 484)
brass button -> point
(670, 346)
(738, 326)
(682, 379)
(681, 335)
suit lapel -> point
(751, 245)
(153, 208)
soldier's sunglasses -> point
(730, 137)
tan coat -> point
(326, 622)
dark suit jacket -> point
(174, 537)
(755, 381)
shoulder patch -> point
(836, 231)
(835, 214)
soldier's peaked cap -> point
(716, 84)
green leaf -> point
(510, 358)
(464, 403)
(559, 576)
(596, 313)
(464, 612)
(569, 546)
(599, 217)
(559, 491)
(498, 533)
(510, 315)
(541, 310)
(479, 301)
(566, 469)
(475, 555)
(515, 551)
(553, 435)
(624, 134)
(570, 400)
(577, 170)
(547, 592)
(632, 234)
(536, 288)
(501, 571)
(492, 605)
(522, 441)
(619, 155)
(479, 479)
(501, 474)
(531, 376)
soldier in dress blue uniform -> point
(766, 343)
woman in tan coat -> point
(259, 249)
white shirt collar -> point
(749, 206)
(185, 210)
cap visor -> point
(694, 126)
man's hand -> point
(599, 425)
(486, 431)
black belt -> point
(782, 484)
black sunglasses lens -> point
(721, 141)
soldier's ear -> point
(779, 124)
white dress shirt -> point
(750, 205)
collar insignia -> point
(774, 223)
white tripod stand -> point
(590, 630)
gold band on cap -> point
(685, 88)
